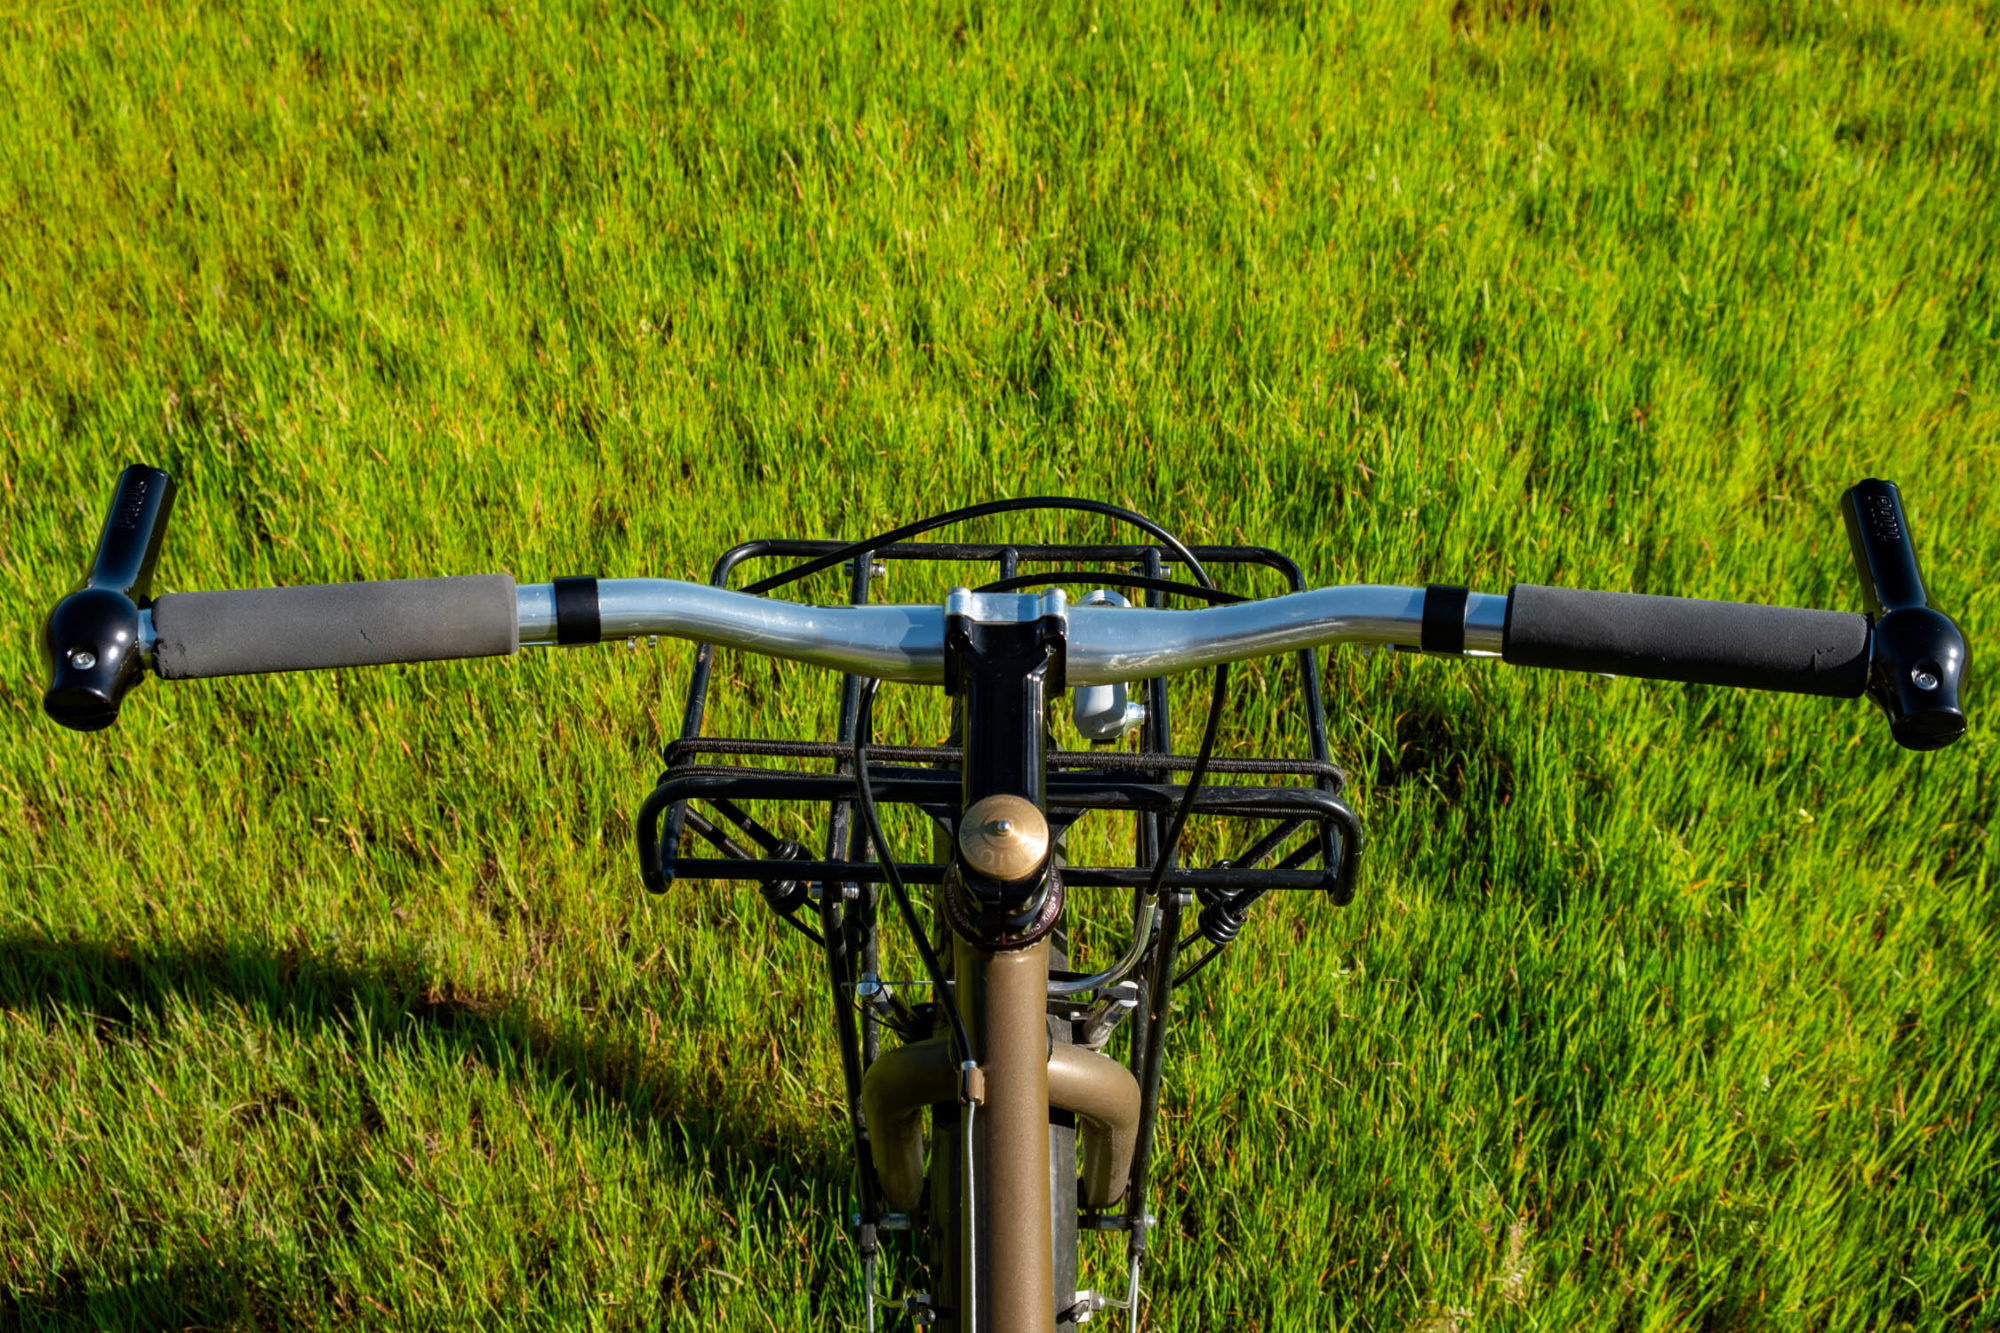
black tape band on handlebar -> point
(1444, 619)
(576, 611)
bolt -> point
(82, 659)
(1924, 675)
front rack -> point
(697, 824)
(1307, 821)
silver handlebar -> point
(904, 643)
(1106, 644)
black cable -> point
(1214, 950)
(864, 732)
(1217, 700)
(802, 928)
(1121, 580)
(907, 1033)
(855, 550)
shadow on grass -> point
(688, 1125)
(201, 1291)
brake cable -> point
(855, 550)
(864, 733)
(1218, 699)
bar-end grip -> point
(327, 625)
(90, 640)
(1682, 638)
(1919, 656)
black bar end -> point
(1917, 656)
(91, 642)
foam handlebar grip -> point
(1680, 638)
(200, 634)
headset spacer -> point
(968, 922)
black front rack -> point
(1307, 822)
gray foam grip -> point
(333, 625)
(1680, 638)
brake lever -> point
(1917, 656)
(91, 641)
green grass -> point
(335, 1001)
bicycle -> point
(1035, 1132)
